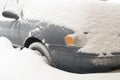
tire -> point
(42, 50)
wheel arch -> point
(30, 40)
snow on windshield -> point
(61, 12)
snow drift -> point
(16, 64)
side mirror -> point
(9, 14)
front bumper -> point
(67, 58)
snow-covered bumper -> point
(67, 58)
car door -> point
(14, 32)
(9, 29)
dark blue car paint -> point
(65, 57)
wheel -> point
(42, 50)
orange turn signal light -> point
(76, 39)
(69, 40)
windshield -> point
(62, 12)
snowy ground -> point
(16, 64)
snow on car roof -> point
(101, 19)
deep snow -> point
(16, 64)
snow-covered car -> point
(58, 44)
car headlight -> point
(77, 39)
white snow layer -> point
(16, 64)
(101, 18)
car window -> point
(10, 5)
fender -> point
(50, 33)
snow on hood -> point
(103, 27)
(16, 64)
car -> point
(54, 42)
